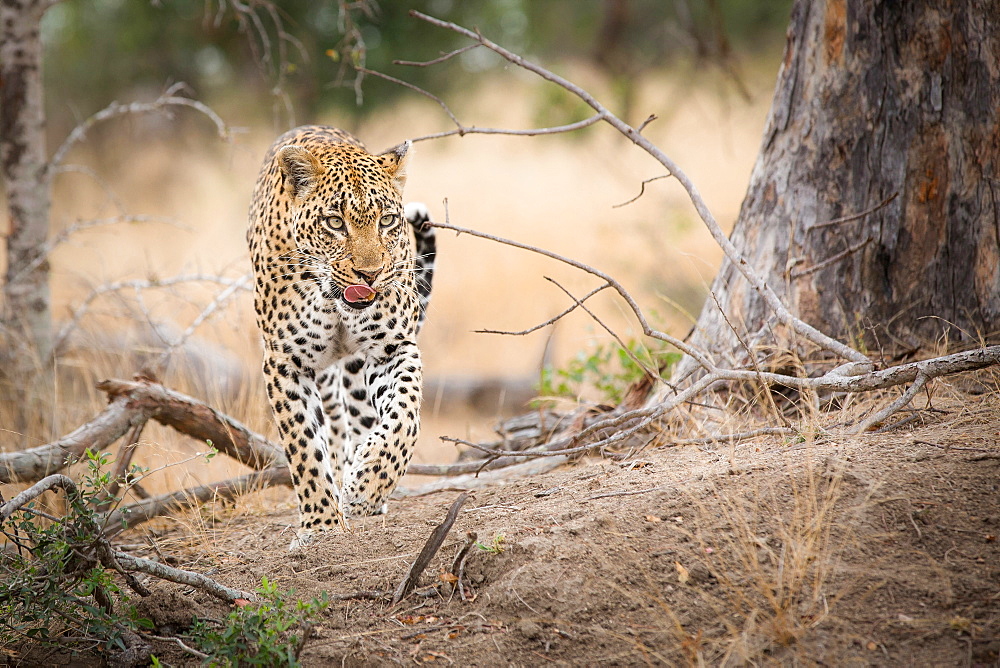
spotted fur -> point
(343, 379)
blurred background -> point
(704, 68)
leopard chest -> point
(321, 331)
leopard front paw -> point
(303, 539)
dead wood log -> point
(197, 420)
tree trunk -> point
(26, 322)
(873, 209)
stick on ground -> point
(430, 548)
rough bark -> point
(874, 205)
(26, 316)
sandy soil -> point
(879, 550)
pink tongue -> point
(359, 293)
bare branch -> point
(164, 572)
(473, 480)
(35, 463)
(462, 130)
(118, 560)
(49, 482)
(473, 130)
(136, 513)
(197, 420)
(137, 286)
(170, 98)
(903, 400)
(618, 287)
(736, 437)
(417, 89)
(243, 283)
(653, 376)
(46, 250)
(756, 281)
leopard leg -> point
(394, 385)
(360, 414)
(339, 441)
(302, 423)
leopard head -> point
(347, 214)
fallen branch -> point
(100, 549)
(164, 572)
(473, 481)
(50, 482)
(430, 548)
(197, 420)
(136, 513)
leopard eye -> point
(388, 221)
(333, 222)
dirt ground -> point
(878, 550)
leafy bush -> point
(52, 583)
(265, 633)
(609, 369)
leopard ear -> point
(394, 162)
(302, 169)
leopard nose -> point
(368, 275)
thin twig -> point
(440, 59)
(462, 130)
(799, 273)
(649, 373)
(855, 216)
(642, 186)
(577, 304)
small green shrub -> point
(52, 584)
(267, 633)
(608, 368)
(496, 546)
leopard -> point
(342, 274)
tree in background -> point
(873, 206)
(26, 318)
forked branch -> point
(602, 113)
